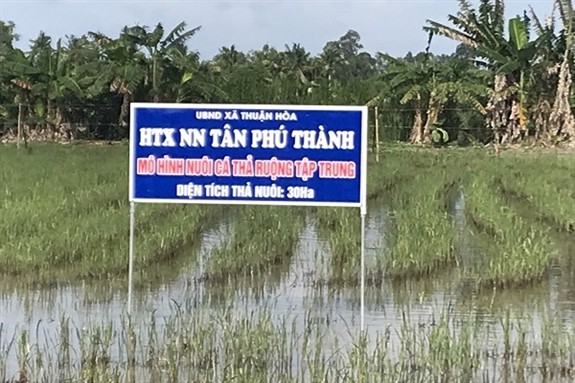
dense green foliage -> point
(507, 79)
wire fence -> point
(103, 121)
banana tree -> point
(561, 119)
(163, 52)
(57, 87)
(518, 63)
(408, 78)
(511, 60)
(196, 82)
(428, 83)
(122, 69)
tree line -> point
(507, 81)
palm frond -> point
(375, 100)
(467, 22)
(566, 12)
(100, 37)
(454, 34)
(539, 28)
(499, 15)
(175, 33)
(489, 36)
(21, 83)
(414, 93)
(178, 38)
(486, 13)
(465, 6)
(155, 37)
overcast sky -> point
(391, 26)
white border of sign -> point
(363, 176)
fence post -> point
(376, 135)
(19, 125)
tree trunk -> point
(541, 112)
(498, 110)
(515, 129)
(125, 110)
(433, 112)
(561, 121)
(416, 135)
(64, 129)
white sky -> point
(391, 26)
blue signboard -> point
(248, 154)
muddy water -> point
(291, 294)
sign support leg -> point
(362, 282)
(131, 261)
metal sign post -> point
(362, 272)
(131, 260)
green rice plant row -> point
(65, 211)
(519, 252)
(550, 191)
(261, 237)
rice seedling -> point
(70, 217)
(341, 229)
(415, 184)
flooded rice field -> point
(309, 314)
(470, 277)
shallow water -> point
(292, 294)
